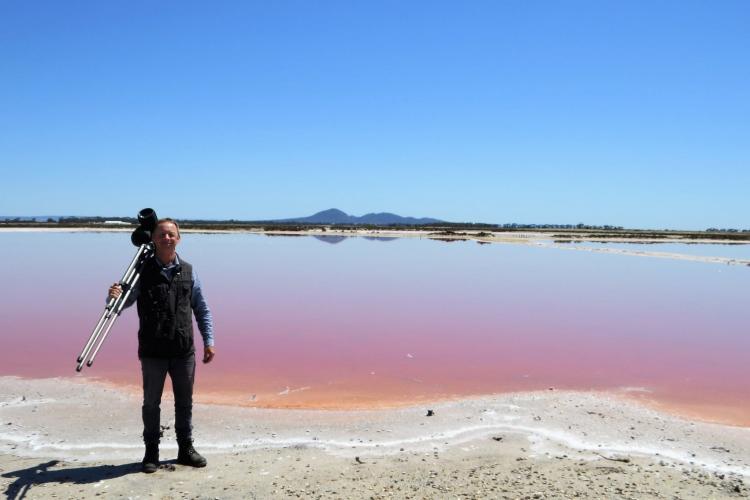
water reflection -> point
(379, 238)
(332, 239)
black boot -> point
(188, 456)
(151, 458)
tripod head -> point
(147, 223)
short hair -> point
(171, 221)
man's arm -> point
(204, 319)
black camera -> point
(147, 223)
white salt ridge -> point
(35, 447)
(648, 253)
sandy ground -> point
(72, 438)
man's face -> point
(166, 237)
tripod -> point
(141, 238)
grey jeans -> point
(182, 373)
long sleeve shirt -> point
(198, 302)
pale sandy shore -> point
(73, 438)
(543, 240)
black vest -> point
(165, 313)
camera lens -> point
(147, 219)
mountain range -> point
(336, 216)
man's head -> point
(166, 236)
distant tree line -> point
(94, 220)
(296, 226)
(580, 225)
(715, 230)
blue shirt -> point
(198, 301)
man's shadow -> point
(40, 474)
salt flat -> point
(74, 438)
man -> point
(166, 293)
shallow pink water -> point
(303, 323)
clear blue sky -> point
(633, 113)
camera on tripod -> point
(141, 237)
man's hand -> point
(115, 290)
(208, 353)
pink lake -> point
(304, 322)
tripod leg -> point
(106, 320)
(115, 315)
(112, 305)
(105, 315)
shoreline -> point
(473, 234)
(731, 416)
(530, 238)
(561, 443)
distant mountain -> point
(336, 216)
